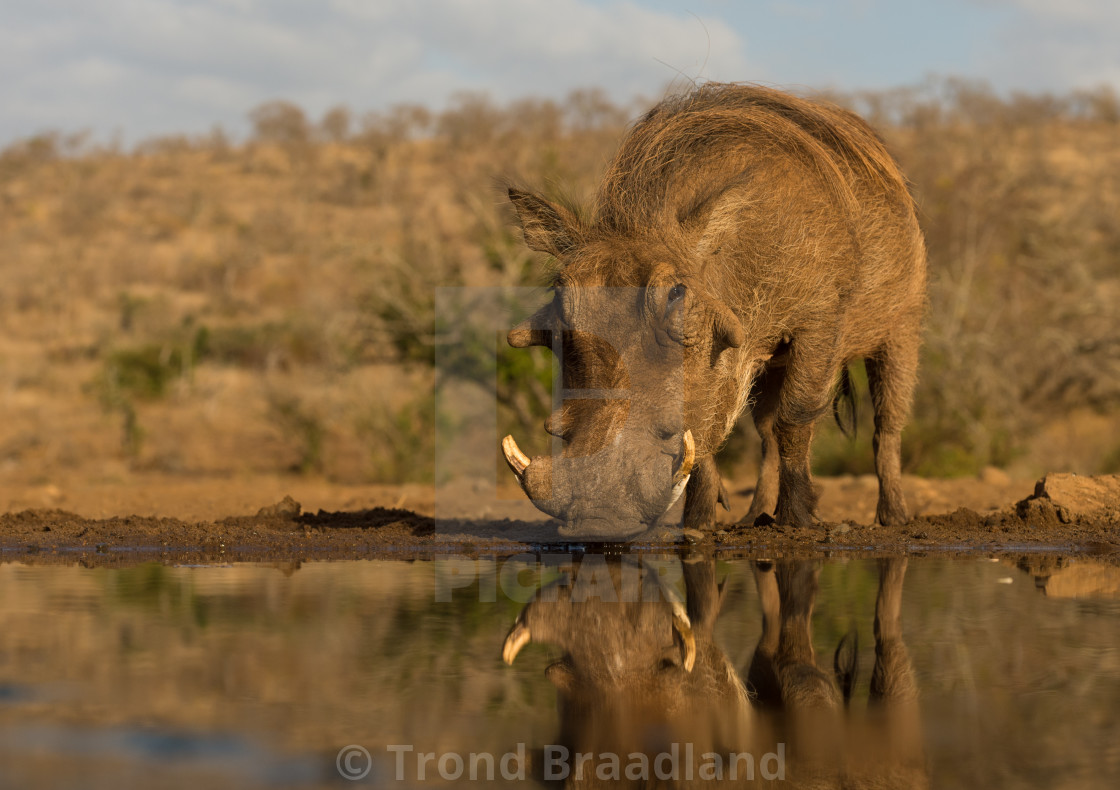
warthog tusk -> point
(678, 489)
(518, 637)
(683, 626)
(685, 469)
(516, 459)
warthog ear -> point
(547, 227)
(712, 220)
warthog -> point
(745, 246)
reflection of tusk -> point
(517, 639)
(687, 459)
(683, 627)
(516, 459)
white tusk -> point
(516, 459)
(689, 458)
(678, 489)
(518, 637)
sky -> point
(136, 69)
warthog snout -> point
(553, 483)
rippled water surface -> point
(962, 672)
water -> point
(258, 676)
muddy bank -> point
(1065, 514)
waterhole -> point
(952, 672)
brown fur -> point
(794, 233)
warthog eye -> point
(673, 308)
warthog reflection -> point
(647, 698)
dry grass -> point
(199, 307)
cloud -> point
(1058, 45)
(147, 67)
(158, 66)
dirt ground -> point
(278, 518)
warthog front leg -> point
(764, 406)
(797, 497)
(702, 495)
(806, 394)
(793, 392)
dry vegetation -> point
(199, 307)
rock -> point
(1080, 496)
(285, 508)
(1037, 511)
(692, 535)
